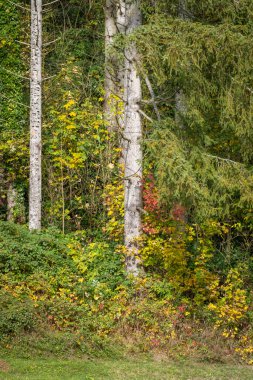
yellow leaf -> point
(62, 117)
(71, 126)
(70, 103)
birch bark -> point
(11, 202)
(180, 99)
(35, 115)
(110, 66)
(131, 18)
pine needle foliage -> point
(205, 159)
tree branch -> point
(223, 159)
(152, 94)
(23, 43)
(47, 78)
(15, 74)
(19, 6)
(50, 3)
(52, 42)
(146, 116)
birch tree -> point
(110, 62)
(180, 100)
(129, 16)
(35, 115)
(11, 202)
(123, 82)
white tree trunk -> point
(11, 202)
(182, 10)
(110, 69)
(35, 115)
(180, 108)
(180, 100)
(131, 18)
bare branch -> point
(223, 159)
(19, 6)
(47, 78)
(50, 3)
(152, 94)
(16, 122)
(52, 42)
(15, 74)
(124, 137)
(142, 210)
(14, 101)
(23, 43)
(131, 175)
(146, 116)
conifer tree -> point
(207, 56)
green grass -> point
(139, 369)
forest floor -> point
(123, 369)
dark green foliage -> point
(205, 160)
(13, 104)
(24, 254)
(56, 282)
(17, 316)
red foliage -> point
(150, 195)
(154, 223)
(178, 212)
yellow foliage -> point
(70, 103)
(231, 309)
(114, 202)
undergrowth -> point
(63, 295)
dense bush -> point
(23, 253)
(16, 315)
(74, 289)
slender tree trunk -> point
(131, 18)
(35, 115)
(180, 100)
(123, 82)
(110, 69)
(182, 10)
(11, 202)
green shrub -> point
(16, 316)
(23, 253)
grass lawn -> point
(98, 369)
